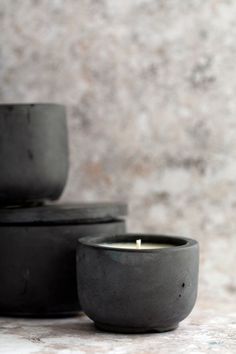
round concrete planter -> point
(132, 291)
(33, 153)
(38, 262)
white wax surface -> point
(133, 245)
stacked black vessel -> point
(38, 239)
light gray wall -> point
(150, 88)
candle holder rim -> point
(93, 242)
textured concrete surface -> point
(150, 88)
(210, 329)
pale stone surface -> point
(211, 328)
(150, 88)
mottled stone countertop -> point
(211, 328)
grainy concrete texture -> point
(150, 87)
(210, 330)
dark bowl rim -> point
(31, 104)
(184, 242)
(66, 213)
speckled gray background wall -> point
(150, 87)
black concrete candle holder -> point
(137, 290)
(33, 153)
(38, 255)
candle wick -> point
(138, 244)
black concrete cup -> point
(137, 290)
(33, 153)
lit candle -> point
(139, 245)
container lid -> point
(63, 213)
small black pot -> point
(135, 291)
(38, 258)
(33, 153)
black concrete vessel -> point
(38, 255)
(33, 153)
(137, 290)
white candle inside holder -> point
(138, 244)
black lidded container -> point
(33, 153)
(38, 254)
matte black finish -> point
(38, 267)
(33, 153)
(132, 291)
(63, 213)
